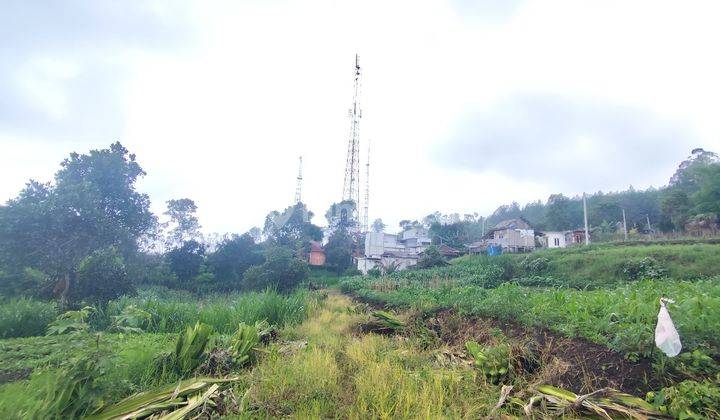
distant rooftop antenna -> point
(298, 188)
(351, 184)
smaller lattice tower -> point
(298, 188)
(366, 203)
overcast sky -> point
(468, 104)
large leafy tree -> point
(378, 225)
(101, 276)
(292, 228)
(453, 234)
(232, 258)
(338, 251)
(694, 189)
(184, 224)
(92, 205)
(707, 197)
(562, 213)
(186, 261)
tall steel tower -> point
(298, 188)
(351, 186)
(366, 203)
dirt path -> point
(331, 366)
(342, 373)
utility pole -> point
(624, 225)
(298, 188)
(587, 234)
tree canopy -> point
(92, 205)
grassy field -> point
(603, 295)
(479, 338)
(169, 311)
(605, 264)
(97, 364)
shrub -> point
(352, 271)
(644, 268)
(280, 271)
(689, 400)
(431, 258)
(28, 282)
(71, 322)
(535, 266)
(191, 346)
(492, 361)
(25, 317)
(374, 272)
(73, 392)
(101, 277)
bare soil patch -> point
(570, 363)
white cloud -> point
(221, 115)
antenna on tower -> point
(298, 188)
(366, 205)
(351, 185)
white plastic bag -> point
(666, 336)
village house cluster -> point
(402, 250)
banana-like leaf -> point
(164, 398)
(192, 403)
(191, 345)
(243, 342)
(605, 403)
(474, 349)
(388, 320)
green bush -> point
(431, 258)
(28, 282)
(280, 271)
(644, 268)
(535, 266)
(25, 317)
(101, 277)
(689, 400)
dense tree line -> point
(690, 201)
(89, 236)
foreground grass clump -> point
(25, 317)
(622, 318)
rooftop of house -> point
(316, 247)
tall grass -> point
(224, 312)
(25, 317)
